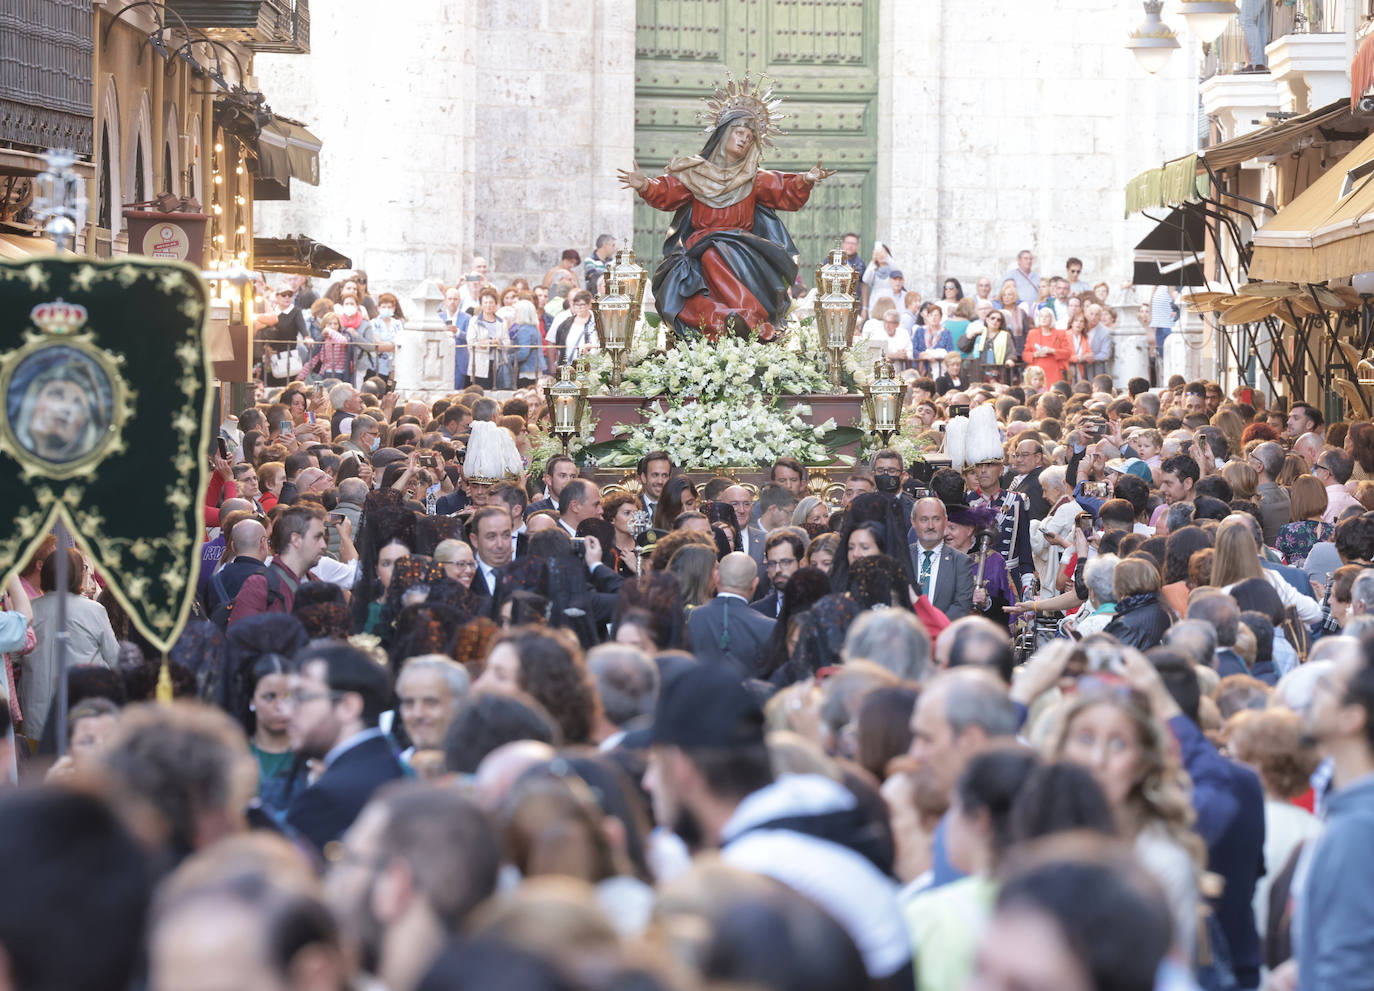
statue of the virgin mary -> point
(728, 261)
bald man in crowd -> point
(248, 544)
(726, 630)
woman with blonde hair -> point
(820, 553)
(526, 343)
(1296, 539)
(1293, 466)
(1122, 736)
(1231, 425)
(1140, 620)
(1237, 559)
(1242, 478)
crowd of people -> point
(506, 337)
(1084, 701)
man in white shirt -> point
(1058, 302)
(1333, 469)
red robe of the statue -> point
(725, 295)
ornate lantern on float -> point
(837, 309)
(566, 399)
(883, 400)
(615, 325)
(633, 280)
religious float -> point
(725, 372)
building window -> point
(106, 191)
(140, 188)
(168, 177)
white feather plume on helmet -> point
(491, 455)
(956, 436)
(984, 444)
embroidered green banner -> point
(105, 422)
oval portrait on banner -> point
(60, 404)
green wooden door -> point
(822, 58)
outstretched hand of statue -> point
(818, 172)
(633, 179)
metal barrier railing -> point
(1229, 53)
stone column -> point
(1130, 347)
(424, 351)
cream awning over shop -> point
(18, 247)
(1185, 180)
(1327, 231)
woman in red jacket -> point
(1047, 347)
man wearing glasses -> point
(1027, 462)
(1333, 468)
(337, 695)
(782, 555)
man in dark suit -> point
(514, 498)
(653, 472)
(726, 630)
(782, 556)
(338, 693)
(1028, 461)
(945, 575)
(489, 533)
(751, 537)
(559, 470)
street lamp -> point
(837, 306)
(1207, 18)
(632, 278)
(567, 401)
(1154, 41)
(883, 400)
(615, 327)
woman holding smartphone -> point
(486, 331)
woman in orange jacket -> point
(1047, 347)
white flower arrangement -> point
(707, 434)
(717, 401)
(729, 370)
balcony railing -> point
(262, 25)
(1229, 53)
(45, 74)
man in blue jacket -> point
(1229, 803)
(1335, 906)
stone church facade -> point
(962, 130)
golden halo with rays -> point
(756, 99)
